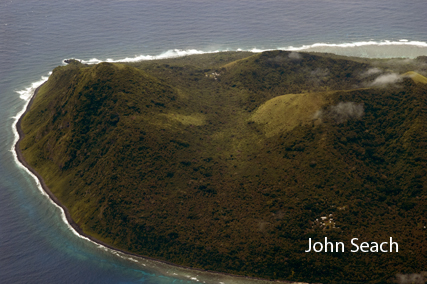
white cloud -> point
(345, 111)
(372, 71)
(294, 55)
(342, 112)
(386, 79)
(413, 278)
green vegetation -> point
(228, 161)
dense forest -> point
(229, 161)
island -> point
(233, 161)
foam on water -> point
(168, 54)
(370, 49)
(26, 94)
(403, 42)
(402, 48)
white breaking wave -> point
(168, 54)
(26, 94)
(373, 49)
(402, 42)
(370, 49)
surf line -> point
(173, 53)
(76, 230)
(19, 159)
(43, 188)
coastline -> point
(80, 232)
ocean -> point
(36, 244)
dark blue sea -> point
(36, 244)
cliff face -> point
(228, 161)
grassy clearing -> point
(195, 119)
(284, 113)
(416, 77)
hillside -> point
(228, 161)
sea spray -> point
(168, 54)
(26, 95)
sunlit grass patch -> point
(418, 78)
(284, 113)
